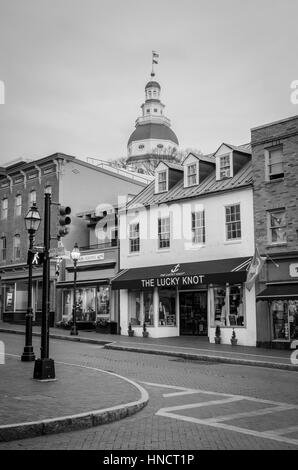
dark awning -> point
(231, 270)
(85, 282)
(279, 291)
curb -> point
(79, 339)
(11, 432)
(204, 357)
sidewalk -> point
(30, 407)
(185, 347)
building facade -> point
(186, 243)
(71, 182)
(275, 175)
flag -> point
(154, 57)
(254, 269)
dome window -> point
(141, 146)
(155, 110)
(160, 146)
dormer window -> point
(224, 166)
(162, 181)
(192, 174)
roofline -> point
(291, 118)
(246, 152)
(199, 157)
(210, 193)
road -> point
(193, 405)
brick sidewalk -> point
(79, 390)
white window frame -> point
(164, 228)
(226, 167)
(198, 227)
(191, 175)
(4, 208)
(163, 181)
(271, 176)
(134, 237)
(276, 227)
(230, 222)
(3, 248)
(30, 201)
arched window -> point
(18, 205)
(16, 247)
(4, 208)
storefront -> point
(95, 302)
(189, 299)
(14, 291)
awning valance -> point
(85, 282)
(279, 291)
(182, 275)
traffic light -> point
(64, 221)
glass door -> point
(193, 313)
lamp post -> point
(32, 222)
(75, 256)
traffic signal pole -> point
(44, 367)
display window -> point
(134, 311)
(167, 308)
(284, 315)
(91, 303)
(228, 306)
(148, 307)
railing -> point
(100, 246)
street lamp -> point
(75, 256)
(32, 222)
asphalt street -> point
(192, 404)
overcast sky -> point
(75, 71)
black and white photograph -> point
(148, 230)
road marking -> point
(217, 422)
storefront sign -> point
(92, 257)
(294, 270)
(173, 281)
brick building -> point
(275, 176)
(71, 182)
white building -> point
(186, 243)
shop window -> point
(18, 205)
(16, 247)
(277, 226)
(85, 298)
(233, 222)
(9, 294)
(38, 293)
(103, 301)
(285, 319)
(198, 227)
(3, 248)
(67, 303)
(4, 208)
(191, 174)
(148, 307)
(167, 308)
(274, 162)
(134, 312)
(164, 232)
(21, 295)
(228, 307)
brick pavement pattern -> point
(148, 431)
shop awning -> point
(279, 291)
(184, 275)
(85, 282)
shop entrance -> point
(193, 313)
